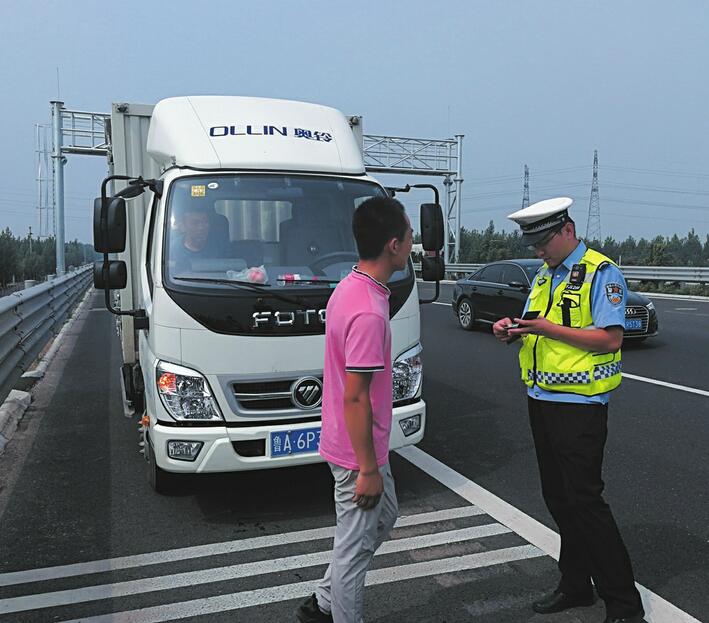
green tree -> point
(8, 257)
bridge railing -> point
(680, 274)
(29, 319)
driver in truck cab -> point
(198, 237)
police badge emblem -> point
(614, 292)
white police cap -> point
(537, 220)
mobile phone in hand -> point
(530, 315)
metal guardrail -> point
(29, 318)
(682, 274)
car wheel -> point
(162, 482)
(466, 315)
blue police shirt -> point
(606, 311)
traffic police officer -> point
(570, 362)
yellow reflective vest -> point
(556, 366)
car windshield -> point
(274, 231)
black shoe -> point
(636, 618)
(558, 601)
(309, 612)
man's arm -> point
(358, 420)
(605, 340)
(608, 296)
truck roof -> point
(230, 132)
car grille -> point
(265, 395)
(637, 312)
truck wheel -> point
(162, 482)
(466, 315)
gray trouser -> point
(357, 536)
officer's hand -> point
(368, 490)
(538, 326)
(500, 329)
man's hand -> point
(538, 326)
(368, 490)
(500, 329)
(606, 340)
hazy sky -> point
(541, 82)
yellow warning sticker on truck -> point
(199, 190)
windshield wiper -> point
(246, 285)
(296, 281)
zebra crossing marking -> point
(232, 572)
(212, 549)
(247, 599)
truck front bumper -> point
(220, 443)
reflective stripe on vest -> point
(554, 365)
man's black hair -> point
(375, 222)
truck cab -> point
(247, 235)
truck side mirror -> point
(432, 268)
(109, 225)
(431, 227)
(117, 276)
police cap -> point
(537, 220)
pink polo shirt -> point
(357, 339)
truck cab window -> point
(268, 229)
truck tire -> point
(466, 314)
(162, 482)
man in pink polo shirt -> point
(357, 410)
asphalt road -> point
(74, 491)
(656, 466)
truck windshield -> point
(286, 232)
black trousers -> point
(569, 439)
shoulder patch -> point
(614, 293)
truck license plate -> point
(635, 323)
(284, 443)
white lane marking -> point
(232, 572)
(686, 313)
(684, 388)
(657, 609)
(271, 594)
(439, 303)
(212, 549)
(686, 308)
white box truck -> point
(225, 274)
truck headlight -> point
(185, 393)
(407, 371)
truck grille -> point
(637, 312)
(266, 395)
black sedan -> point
(500, 290)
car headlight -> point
(407, 372)
(185, 393)
(650, 305)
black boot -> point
(558, 601)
